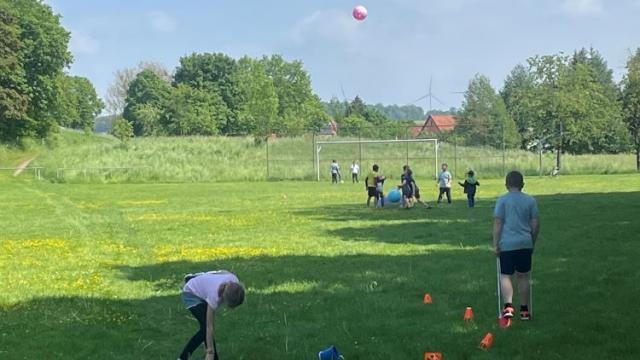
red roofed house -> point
(439, 123)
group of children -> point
(516, 229)
(374, 184)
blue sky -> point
(388, 58)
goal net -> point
(390, 155)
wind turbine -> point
(429, 95)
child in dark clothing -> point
(470, 184)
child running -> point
(470, 186)
(515, 231)
(202, 294)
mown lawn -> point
(93, 271)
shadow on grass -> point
(295, 306)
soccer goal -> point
(404, 155)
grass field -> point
(93, 271)
(100, 159)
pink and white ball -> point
(360, 13)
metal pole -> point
(268, 170)
(313, 148)
(360, 147)
(318, 148)
(436, 168)
(540, 156)
(455, 155)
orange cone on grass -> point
(427, 298)
(432, 356)
(468, 314)
(487, 341)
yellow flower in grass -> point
(8, 246)
(168, 253)
(143, 202)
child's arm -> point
(210, 333)
(535, 230)
(497, 233)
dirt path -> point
(23, 165)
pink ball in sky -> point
(360, 13)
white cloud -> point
(583, 7)
(161, 22)
(328, 25)
(82, 43)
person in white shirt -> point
(335, 172)
(202, 294)
(355, 171)
(444, 181)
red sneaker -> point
(507, 313)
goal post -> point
(319, 144)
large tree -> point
(34, 53)
(258, 106)
(484, 119)
(213, 73)
(117, 91)
(631, 101)
(78, 103)
(299, 109)
(14, 121)
(146, 96)
(575, 107)
(519, 98)
(192, 111)
(45, 54)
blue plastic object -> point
(330, 353)
(394, 196)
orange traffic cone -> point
(468, 314)
(432, 356)
(427, 299)
(487, 341)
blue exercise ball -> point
(394, 196)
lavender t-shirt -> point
(206, 286)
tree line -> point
(212, 93)
(566, 103)
(36, 95)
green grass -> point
(99, 159)
(93, 271)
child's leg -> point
(448, 190)
(507, 288)
(200, 313)
(440, 195)
(470, 199)
(523, 288)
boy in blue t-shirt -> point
(515, 232)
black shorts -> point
(372, 191)
(516, 260)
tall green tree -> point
(484, 120)
(258, 108)
(78, 103)
(44, 55)
(146, 98)
(631, 101)
(214, 73)
(336, 108)
(14, 99)
(192, 111)
(299, 109)
(520, 101)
